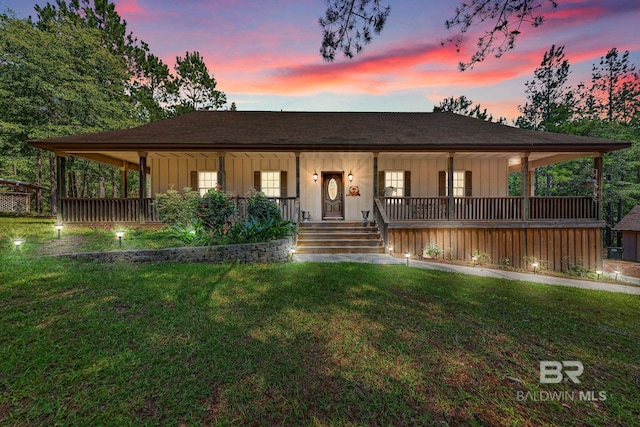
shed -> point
(630, 228)
(15, 196)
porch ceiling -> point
(131, 158)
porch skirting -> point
(556, 249)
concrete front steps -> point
(338, 237)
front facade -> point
(426, 179)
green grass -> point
(302, 343)
(41, 238)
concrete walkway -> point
(477, 271)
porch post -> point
(124, 179)
(297, 175)
(143, 187)
(598, 169)
(375, 175)
(221, 173)
(452, 202)
(526, 188)
(61, 183)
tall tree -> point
(550, 100)
(615, 88)
(463, 105)
(348, 25)
(196, 87)
(57, 80)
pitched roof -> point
(327, 131)
(631, 221)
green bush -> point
(216, 211)
(177, 208)
(253, 230)
(261, 208)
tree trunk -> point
(52, 182)
(548, 189)
(114, 183)
(39, 183)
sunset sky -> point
(265, 54)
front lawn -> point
(304, 343)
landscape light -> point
(616, 272)
(535, 266)
(390, 249)
(119, 234)
(599, 273)
(474, 259)
(58, 227)
(18, 242)
(407, 256)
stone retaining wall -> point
(269, 252)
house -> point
(629, 225)
(426, 178)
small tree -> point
(216, 211)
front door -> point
(332, 196)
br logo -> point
(553, 372)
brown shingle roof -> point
(326, 131)
(630, 222)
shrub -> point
(261, 208)
(176, 208)
(432, 251)
(216, 211)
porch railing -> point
(288, 207)
(127, 210)
(487, 208)
(107, 210)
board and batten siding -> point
(490, 176)
(176, 173)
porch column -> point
(452, 202)
(124, 179)
(599, 193)
(526, 188)
(375, 175)
(298, 175)
(221, 172)
(61, 183)
(143, 187)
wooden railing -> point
(487, 208)
(562, 208)
(107, 210)
(381, 219)
(288, 207)
(126, 209)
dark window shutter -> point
(467, 184)
(257, 180)
(407, 183)
(283, 183)
(194, 181)
(381, 184)
(442, 183)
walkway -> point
(477, 271)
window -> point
(207, 181)
(458, 183)
(395, 179)
(270, 183)
(461, 183)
